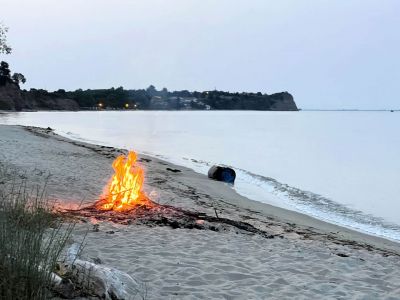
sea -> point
(342, 167)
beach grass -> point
(31, 240)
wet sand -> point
(303, 258)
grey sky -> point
(328, 54)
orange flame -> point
(124, 190)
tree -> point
(4, 48)
(62, 92)
(4, 73)
(164, 93)
(152, 91)
(18, 78)
(5, 69)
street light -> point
(126, 105)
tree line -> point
(151, 98)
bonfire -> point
(124, 202)
(124, 190)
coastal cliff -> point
(283, 101)
(10, 97)
(13, 98)
(220, 100)
(42, 100)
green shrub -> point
(31, 241)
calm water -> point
(342, 167)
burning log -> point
(124, 190)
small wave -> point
(322, 208)
(305, 202)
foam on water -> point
(271, 191)
(322, 208)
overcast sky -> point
(328, 54)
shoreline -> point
(310, 182)
(281, 215)
(244, 249)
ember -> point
(124, 190)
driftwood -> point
(96, 280)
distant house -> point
(226, 97)
(157, 102)
(156, 98)
(178, 103)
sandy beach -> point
(287, 256)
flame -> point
(124, 190)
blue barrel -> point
(224, 174)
